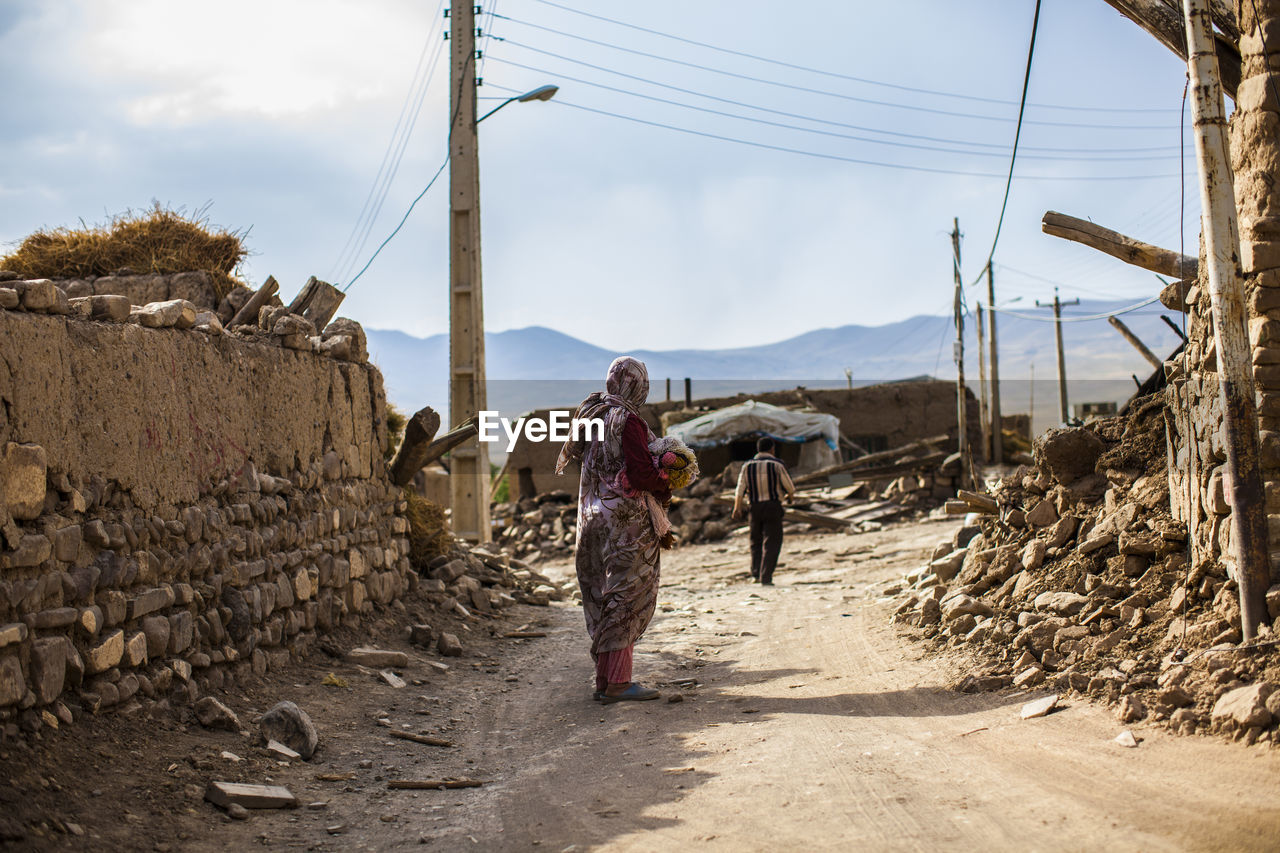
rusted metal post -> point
(1226, 294)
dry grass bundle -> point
(157, 241)
(428, 531)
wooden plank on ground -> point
(432, 784)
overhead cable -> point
(891, 143)
(822, 156)
(856, 99)
(1013, 156)
(835, 74)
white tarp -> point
(752, 419)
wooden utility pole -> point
(468, 464)
(997, 422)
(961, 407)
(983, 423)
(1063, 413)
(1249, 534)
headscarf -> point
(626, 390)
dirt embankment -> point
(805, 722)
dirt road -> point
(813, 725)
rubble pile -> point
(476, 579)
(1081, 582)
(544, 527)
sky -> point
(287, 118)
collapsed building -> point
(1106, 568)
(871, 418)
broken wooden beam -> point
(432, 784)
(1127, 249)
(957, 507)
(450, 440)
(878, 472)
(419, 433)
(423, 739)
(318, 301)
(1129, 336)
(1163, 20)
(248, 313)
(979, 501)
(864, 461)
(524, 635)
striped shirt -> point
(764, 478)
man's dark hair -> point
(764, 444)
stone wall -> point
(179, 502)
(1196, 436)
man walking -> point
(765, 482)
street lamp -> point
(469, 465)
(542, 93)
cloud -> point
(194, 62)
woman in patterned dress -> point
(621, 527)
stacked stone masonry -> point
(1197, 439)
(176, 500)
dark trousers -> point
(766, 539)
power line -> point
(398, 158)
(816, 131)
(835, 74)
(854, 98)
(937, 171)
(1090, 318)
(391, 144)
(403, 220)
(1001, 146)
(1013, 157)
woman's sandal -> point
(634, 693)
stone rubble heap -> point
(545, 527)
(1082, 584)
(474, 579)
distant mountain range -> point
(538, 367)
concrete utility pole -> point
(983, 433)
(1062, 359)
(468, 465)
(997, 424)
(1249, 534)
(961, 407)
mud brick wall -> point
(179, 505)
(198, 288)
(1197, 438)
